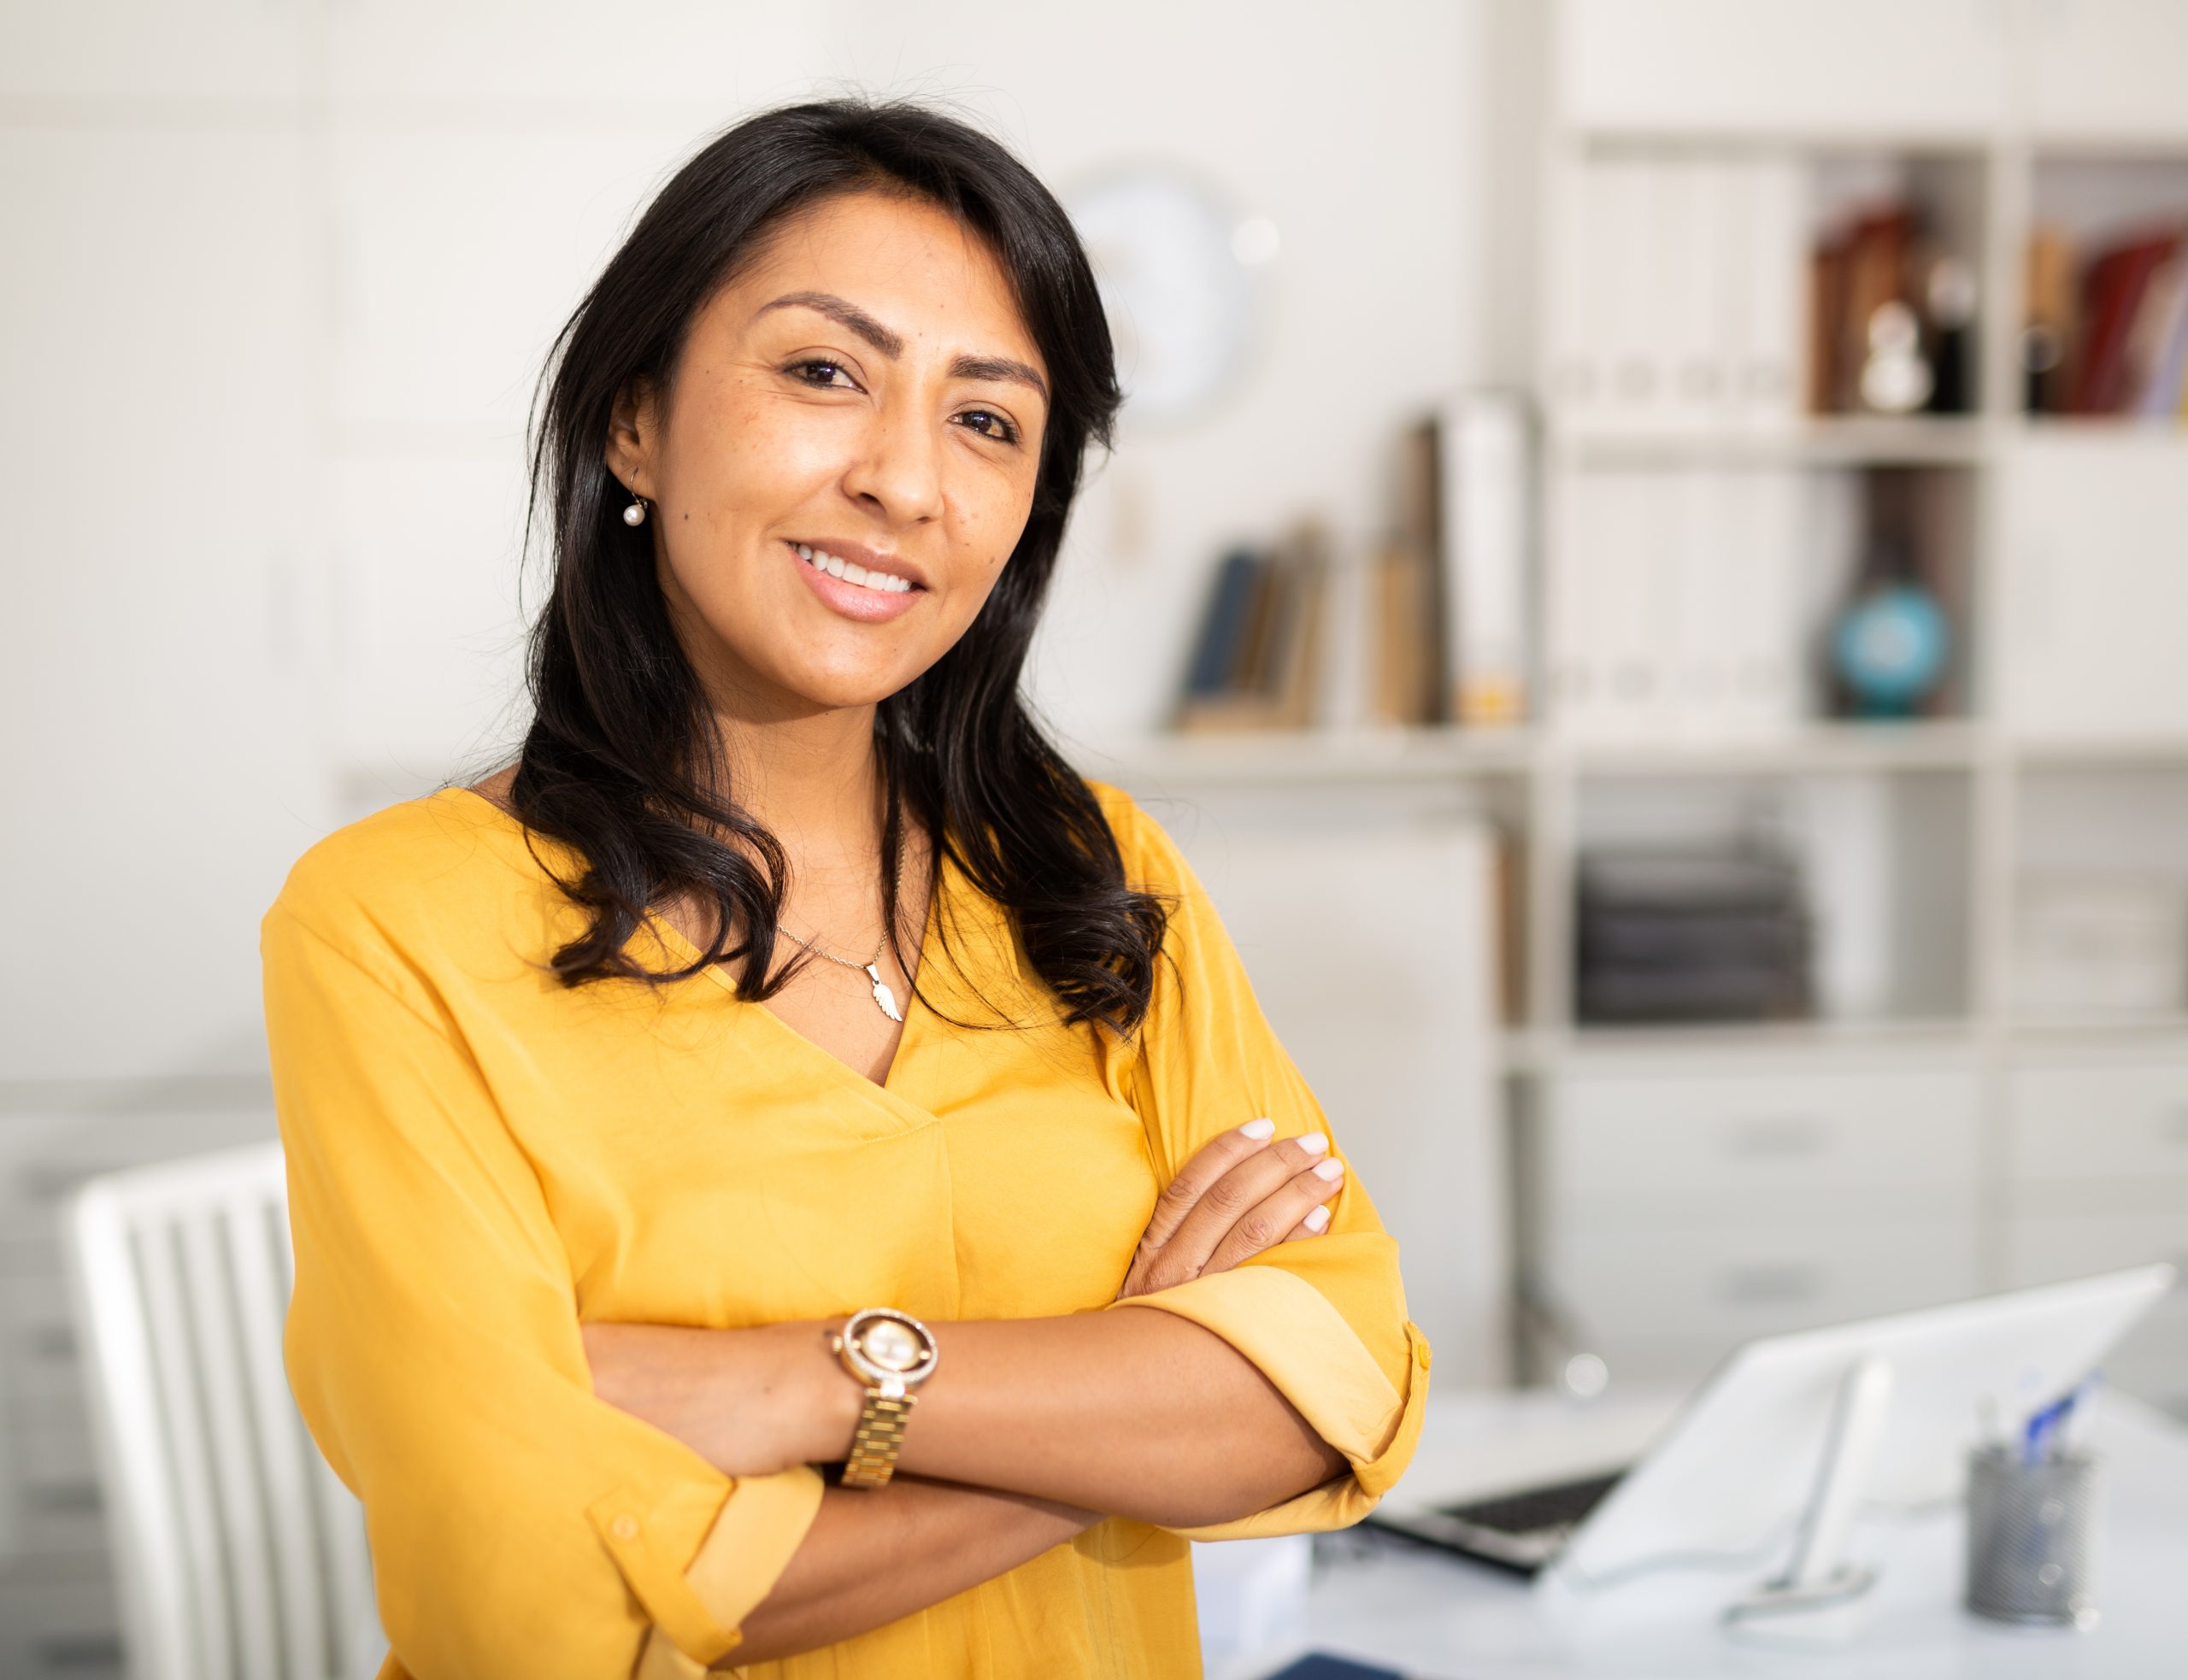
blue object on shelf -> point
(1890, 648)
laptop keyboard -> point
(1538, 1508)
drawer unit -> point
(1716, 1287)
(1641, 1149)
(2099, 1120)
(58, 1621)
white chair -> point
(238, 1554)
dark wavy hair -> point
(622, 760)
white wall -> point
(280, 275)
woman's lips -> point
(853, 601)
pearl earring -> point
(635, 515)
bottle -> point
(1890, 644)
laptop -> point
(1610, 1484)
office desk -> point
(1440, 1618)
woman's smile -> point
(856, 582)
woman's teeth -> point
(850, 572)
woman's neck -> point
(814, 782)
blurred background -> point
(1644, 562)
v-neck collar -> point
(914, 1008)
(673, 940)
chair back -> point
(238, 1554)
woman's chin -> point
(843, 691)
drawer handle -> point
(1775, 1138)
(59, 1498)
(1770, 1285)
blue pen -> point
(2046, 1424)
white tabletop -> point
(1437, 1617)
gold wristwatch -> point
(891, 1352)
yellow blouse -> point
(479, 1159)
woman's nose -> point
(898, 471)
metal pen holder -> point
(2030, 1529)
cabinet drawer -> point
(1725, 1286)
(58, 1516)
(59, 1626)
(2099, 1121)
(1708, 1145)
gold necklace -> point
(884, 998)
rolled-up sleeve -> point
(1323, 1318)
(518, 1524)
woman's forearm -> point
(1134, 1412)
(871, 1557)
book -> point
(1763, 250)
(1223, 624)
(2112, 290)
(2157, 348)
(1484, 450)
(1828, 268)
(1402, 692)
(2046, 345)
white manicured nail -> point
(1329, 1169)
(1318, 1221)
(1314, 1144)
(1259, 1131)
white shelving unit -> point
(1926, 1135)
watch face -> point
(883, 1343)
(890, 1345)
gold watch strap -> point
(878, 1439)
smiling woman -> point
(716, 1140)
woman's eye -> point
(822, 374)
(990, 424)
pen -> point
(2040, 1438)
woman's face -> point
(846, 459)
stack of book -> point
(2107, 331)
(1257, 661)
(1690, 935)
(1434, 630)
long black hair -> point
(622, 760)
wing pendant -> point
(883, 996)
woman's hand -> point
(1240, 1194)
(749, 1401)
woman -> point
(789, 973)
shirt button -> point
(624, 1528)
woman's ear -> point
(633, 433)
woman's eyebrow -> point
(845, 312)
(998, 367)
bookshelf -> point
(1949, 852)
